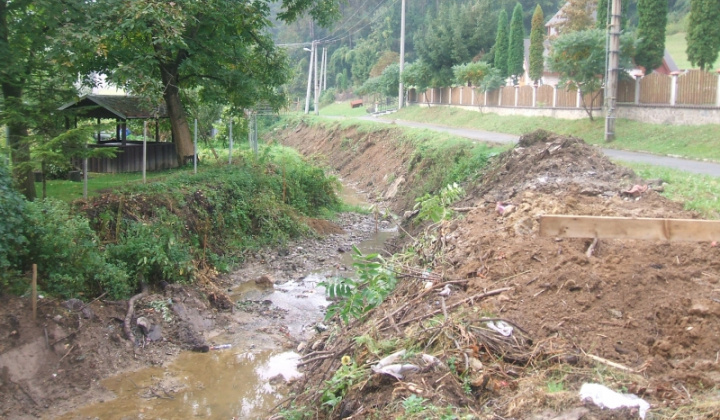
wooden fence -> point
(129, 158)
(694, 88)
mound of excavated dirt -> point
(651, 307)
(547, 162)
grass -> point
(342, 109)
(98, 183)
(692, 141)
(698, 192)
(676, 46)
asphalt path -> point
(694, 166)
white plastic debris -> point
(445, 291)
(388, 360)
(605, 397)
(501, 327)
(397, 370)
(431, 360)
(388, 366)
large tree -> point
(652, 19)
(537, 37)
(703, 36)
(516, 46)
(451, 37)
(501, 44)
(32, 73)
(221, 48)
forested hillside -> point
(365, 40)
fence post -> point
(500, 95)
(472, 95)
(432, 95)
(534, 101)
(555, 96)
(578, 99)
(462, 90)
(485, 99)
(517, 89)
(637, 91)
(717, 94)
(673, 88)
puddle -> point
(220, 384)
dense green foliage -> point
(703, 36)
(516, 47)
(537, 37)
(652, 20)
(375, 280)
(579, 57)
(34, 76)
(502, 42)
(449, 38)
(12, 221)
(603, 11)
(473, 73)
(166, 230)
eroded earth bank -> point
(636, 316)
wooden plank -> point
(563, 226)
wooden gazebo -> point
(160, 155)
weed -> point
(436, 207)
(414, 404)
(554, 386)
(163, 307)
(336, 388)
(375, 281)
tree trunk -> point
(19, 147)
(178, 122)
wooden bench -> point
(356, 104)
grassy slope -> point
(698, 142)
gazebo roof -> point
(116, 107)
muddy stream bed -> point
(279, 305)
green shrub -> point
(153, 253)
(68, 254)
(12, 221)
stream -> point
(247, 372)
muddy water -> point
(249, 373)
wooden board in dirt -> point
(564, 226)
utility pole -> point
(310, 73)
(324, 70)
(317, 82)
(401, 92)
(612, 71)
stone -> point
(144, 324)
(265, 281)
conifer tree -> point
(703, 36)
(602, 14)
(501, 44)
(652, 19)
(536, 44)
(516, 48)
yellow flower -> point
(346, 360)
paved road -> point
(707, 168)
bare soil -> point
(649, 307)
(54, 364)
(640, 316)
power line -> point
(328, 40)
